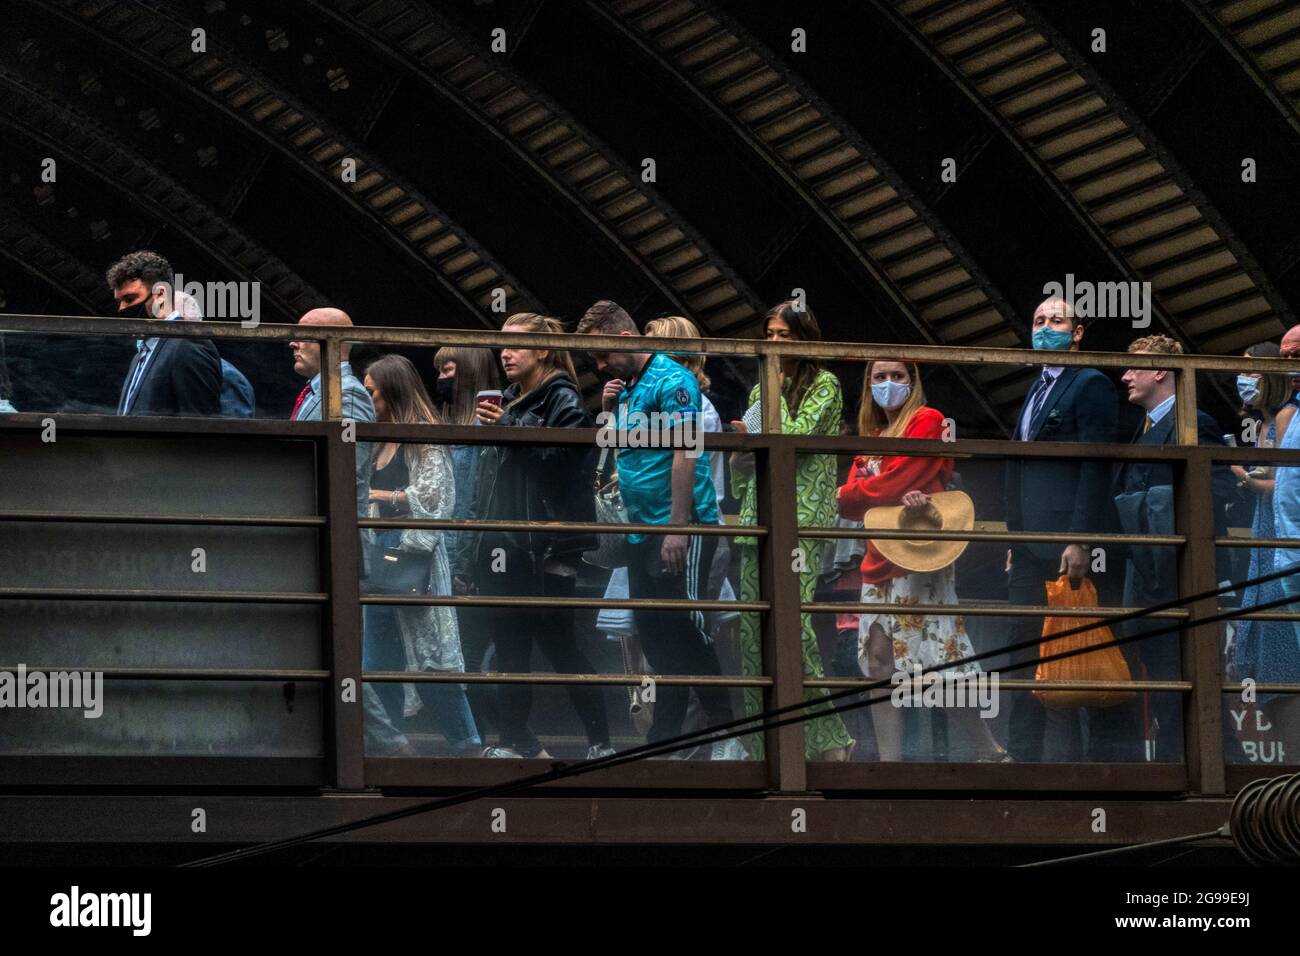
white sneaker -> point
(596, 751)
(730, 749)
(502, 752)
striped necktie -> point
(1036, 401)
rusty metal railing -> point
(777, 534)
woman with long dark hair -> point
(535, 483)
(411, 480)
(463, 372)
(811, 404)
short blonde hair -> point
(680, 327)
(1157, 345)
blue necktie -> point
(142, 350)
(1036, 401)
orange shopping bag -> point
(1106, 664)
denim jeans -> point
(382, 651)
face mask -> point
(138, 311)
(1053, 339)
(1248, 389)
(890, 394)
(444, 389)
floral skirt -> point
(927, 640)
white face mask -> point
(890, 394)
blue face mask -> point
(1248, 388)
(890, 394)
(1053, 340)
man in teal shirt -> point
(664, 486)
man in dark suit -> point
(1058, 495)
(1143, 492)
(167, 376)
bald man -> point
(1286, 489)
(383, 737)
(357, 405)
(1065, 404)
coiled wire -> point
(1265, 821)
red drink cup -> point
(490, 395)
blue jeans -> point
(382, 651)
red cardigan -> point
(899, 474)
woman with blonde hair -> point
(811, 404)
(415, 480)
(893, 406)
(535, 483)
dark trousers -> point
(515, 631)
(1067, 733)
(1160, 657)
(1027, 585)
(675, 641)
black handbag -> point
(397, 571)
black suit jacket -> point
(1068, 495)
(182, 378)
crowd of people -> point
(1079, 497)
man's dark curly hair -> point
(147, 266)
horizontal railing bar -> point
(847, 351)
(1050, 537)
(1268, 615)
(184, 673)
(981, 610)
(1284, 543)
(963, 448)
(188, 597)
(166, 427)
(293, 521)
(557, 527)
(1263, 688)
(489, 677)
(1004, 683)
(1003, 448)
(506, 600)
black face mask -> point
(444, 389)
(138, 311)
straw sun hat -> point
(947, 511)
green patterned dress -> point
(815, 485)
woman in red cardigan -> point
(893, 405)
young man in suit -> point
(1072, 404)
(1143, 492)
(167, 376)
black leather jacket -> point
(533, 483)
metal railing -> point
(776, 532)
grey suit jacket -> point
(359, 408)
